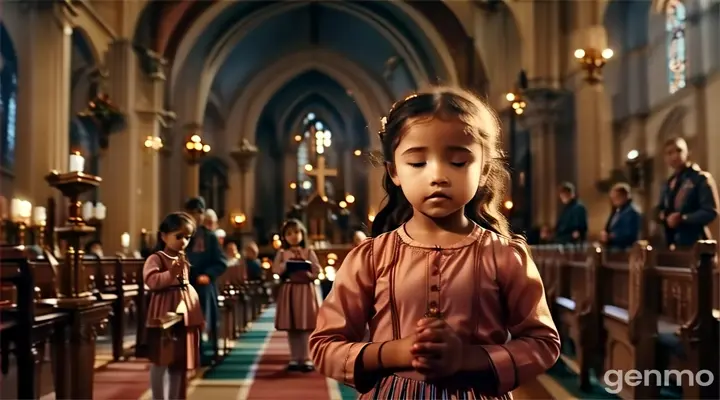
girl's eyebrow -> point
(413, 150)
(459, 149)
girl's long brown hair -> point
(482, 123)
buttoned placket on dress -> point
(434, 279)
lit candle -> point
(39, 216)
(15, 209)
(77, 162)
(125, 240)
(88, 211)
(100, 211)
(26, 210)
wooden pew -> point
(578, 287)
(119, 280)
(653, 317)
(22, 329)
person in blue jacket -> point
(207, 263)
(623, 226)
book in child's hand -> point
(298, 271)
(293, 266)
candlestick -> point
(100, 211)
(77, 162)
(39, 216)
(88, 211)
(125, 240)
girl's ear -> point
(392, 172)
(164, 237)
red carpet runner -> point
(122, 380)
(273, 382)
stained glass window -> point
(8, 112)
(675, 21)
(317, 134)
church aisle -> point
(255, 370)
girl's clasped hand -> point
(436, 349)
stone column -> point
(593, 133)
(151, 121)
(43, 119)
(121, 168)
(192, 179)
(541, 119)
(244, 156)
(192, 166)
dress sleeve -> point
(337, 340)
(313, 258)
(154, 276)
(535, 344)
(278, 264)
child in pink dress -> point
(455, 304)
(297, 303)
(166, 274)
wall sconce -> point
(592, 62)
(517, 102)
(153, 143)
(639, 169)
(237, 220)
(276, 242)
(195, 149)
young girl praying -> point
(297, 303)
(166, 274)
(454, 303)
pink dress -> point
(169, 294)
(297, 304)
(486, 288)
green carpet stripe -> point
(570, 382)
(347, 393)
(239, 363)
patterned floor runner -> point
(255, 369)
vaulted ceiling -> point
(218, 50)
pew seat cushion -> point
(617, 313)
(565, 303)
(621, 314)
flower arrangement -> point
(106, 115)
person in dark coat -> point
(572, 223)
(623, 226)
(688, 200)
(207, 263)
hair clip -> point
(383, 123)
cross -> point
(320, 172)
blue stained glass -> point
(675, 21)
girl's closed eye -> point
(417, 164)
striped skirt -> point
(297, 307)
(395, 387)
